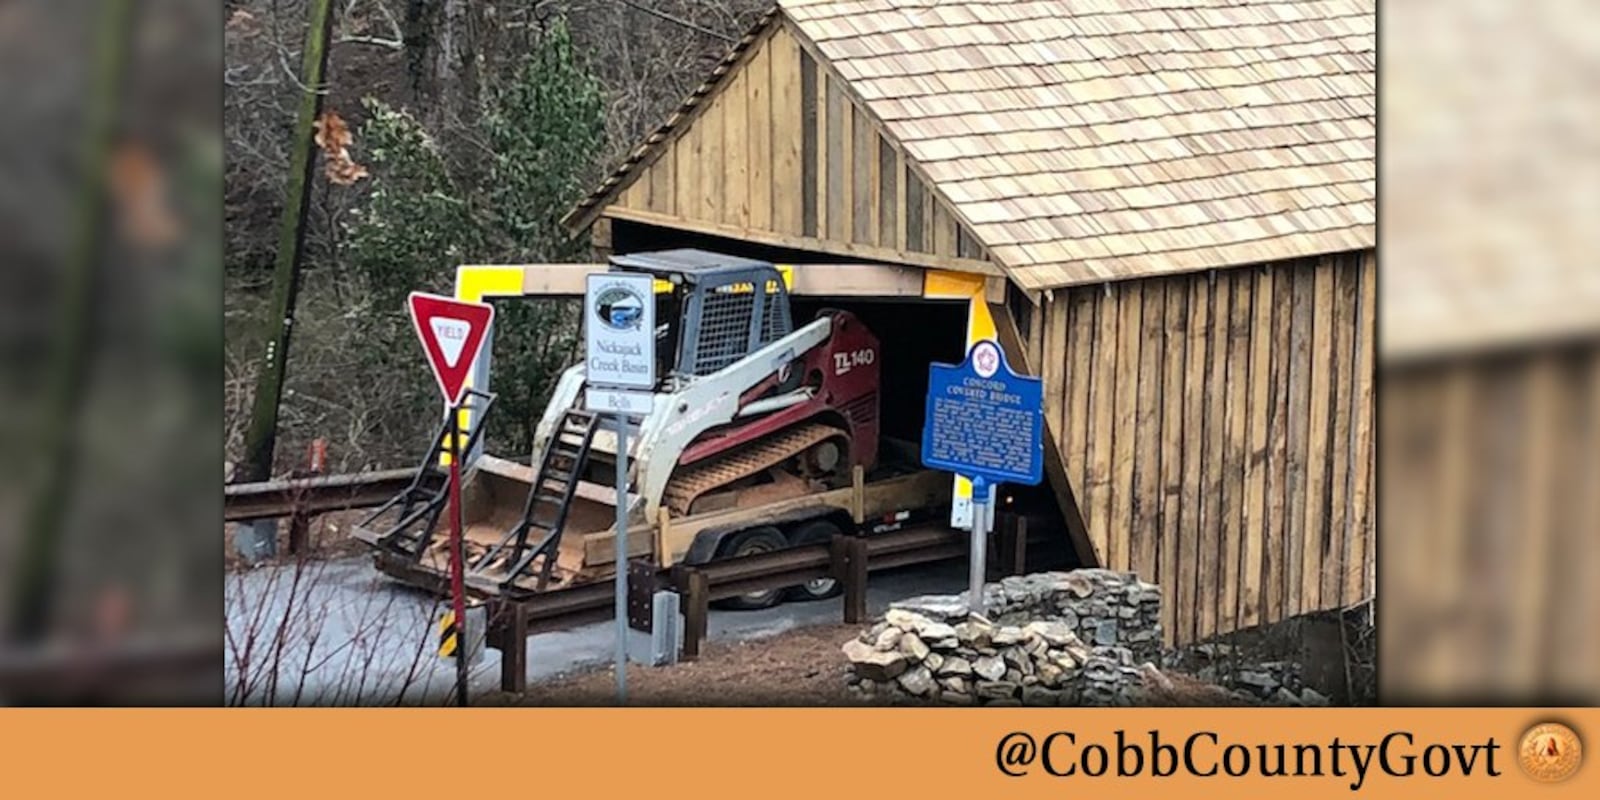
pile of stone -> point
(1077, 638)
(1274, 682)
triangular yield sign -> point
(452, 333)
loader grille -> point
(727, 328)
(724, 332)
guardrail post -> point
(849, 556)
(510, 635)
(696, 606)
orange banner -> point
(810, 753)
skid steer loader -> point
(751, 412)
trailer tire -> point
(815, 531)
(765, 539)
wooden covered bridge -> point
(1169, 208)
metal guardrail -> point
(242, 502)
(848, 559)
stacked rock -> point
(1050, 639)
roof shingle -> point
(1108, 139)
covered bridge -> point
(1169, 205)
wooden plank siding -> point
(781, 151)
(1217, 429)
(1491, 492)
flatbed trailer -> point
(893, 496)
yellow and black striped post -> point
(449, 636)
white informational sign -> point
(619, 322)
(617, 401)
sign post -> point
(619, 321)
(986, 423)
(452, 332)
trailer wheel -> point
(816, 531)
(765, 539)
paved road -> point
(339, 633)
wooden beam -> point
(830, 247)
(809, 280)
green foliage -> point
(527, 161)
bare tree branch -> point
(679, 21)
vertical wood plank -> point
(1261, 388)
(637, 195)
(1173, 390)
(1191, 521)
(735, 206)
(1276, 526)
(758, 121)
(1130, 304)
(864, 194)
(831, 198)
(1054, 369)
(1449, 521)
(788, 135)
(914, 207)
(1336, 558)
(663, 191)
(889, 198)
(712, 198)
(1361, 449)
(1299, 408)
(901, 200)
(944, 230)
(1101, 435)
(1317, 532)
(845, 209)
(1216, 434)
(1235, 451)
(811, 121)
(686, 157)
(1145, 534)
(1080, 348)
(1528, 637)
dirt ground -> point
(802, 667)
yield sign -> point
(452, 332)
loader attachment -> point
(413, 514)
(544, 513)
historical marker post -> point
(619, 322)
(986, 423)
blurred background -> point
(115, 281)
(1489, 299)
(110, 273)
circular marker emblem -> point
(986, 359)
(1550, 752)
(619, 308)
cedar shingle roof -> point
(1089, 140)
(1095, 140)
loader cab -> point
(711, 309)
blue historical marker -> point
(985, 423)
